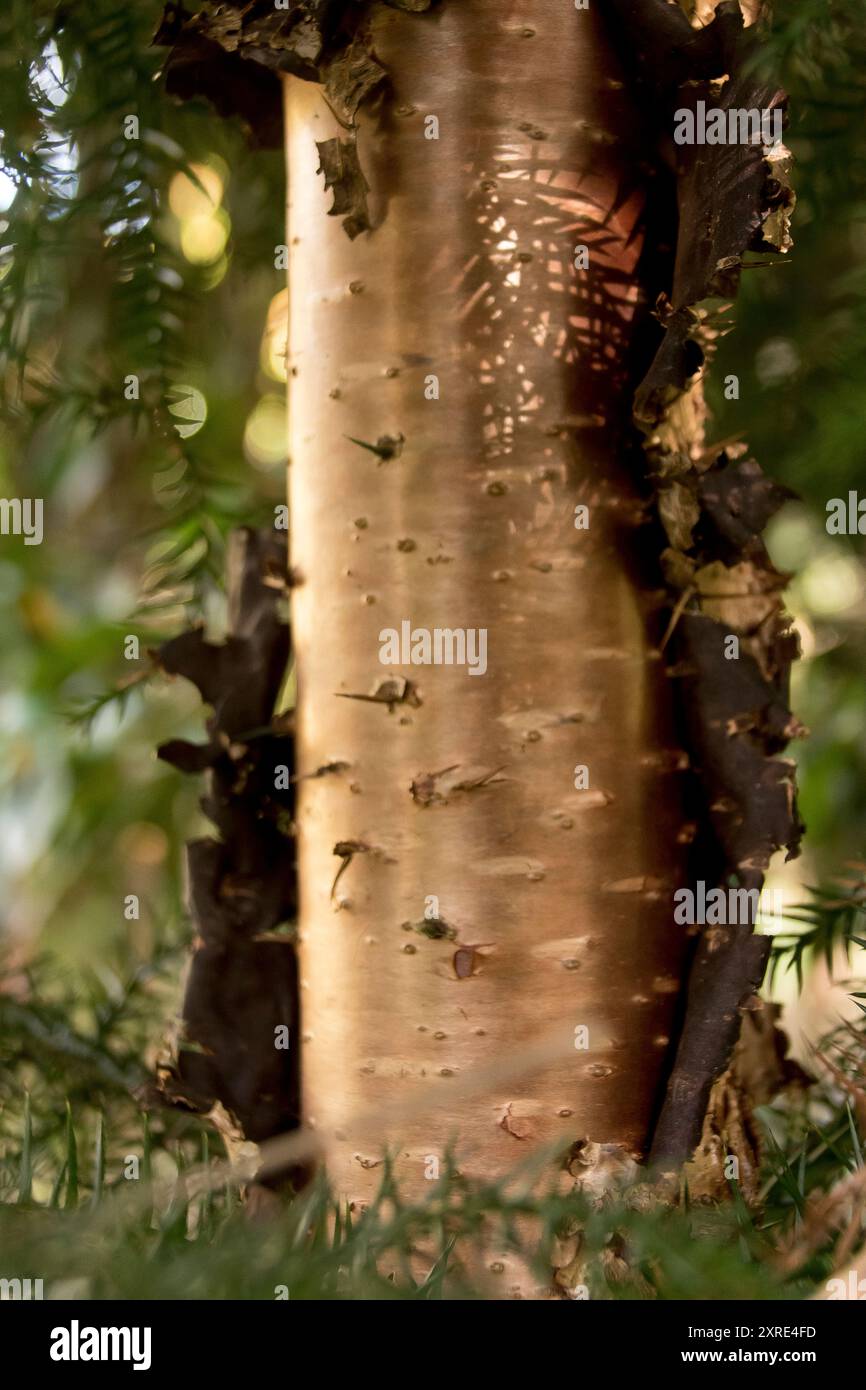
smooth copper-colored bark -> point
(469, 275)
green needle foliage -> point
(93, 287)
(203, 1245)
(140, 486)
(176, 1228)
(828, 923)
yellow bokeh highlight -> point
(195, 199)
(275, 338)
(203, 236)
(831, 583)
(266, 433)
(187, 199)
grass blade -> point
(71, 1162)
(25, 1177)
(99, 1162)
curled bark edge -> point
(242, 979)
(713, 505)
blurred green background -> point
(150, 256)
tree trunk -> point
(548, 903)
(496, 343)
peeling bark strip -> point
(242, 985)
(713, 505)
(234, 51)
(338, 161)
